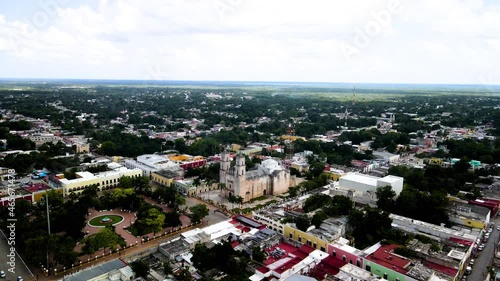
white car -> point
(498, 227)
(471, 262)
(2, 274)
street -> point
(485, 256)
(19, 267)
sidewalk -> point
(123, 254)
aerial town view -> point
(249, 140)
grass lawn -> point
(97, 220)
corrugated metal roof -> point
(96, 271)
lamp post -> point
(48, 226)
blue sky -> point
(381, 41)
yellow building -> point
(306, 238)
(82, 148)
(163, 177)
(235, 147)
(462, 213)
(104, 180)
(41, 194)
(179, 158)
(291, 138)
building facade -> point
(269, 178)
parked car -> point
(2, 274)
(498, 227)
(468, 270)
(19, 278)
(472, 262)
(481, 247)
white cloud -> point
(428, 41)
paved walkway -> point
(124, 254)
(165, 235)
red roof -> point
(289, 264)
(460, 241)
(329, 265)
(443, 269)
(384, 257)
(296, 255)
(33, 187)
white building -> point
(150, 163)
(104, 180)
(386, 156)
(361, 183)
(40, 139)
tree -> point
(197, 182)
(170, 196)
(141, 185)
(461, 166)
(104, 239)
(258, 255)
(126, 182)
(198, 212)
(155, 220)
(318, 218)
(302, 223)
(180, 145)
(369, 226)
(167, 267)
(238, 199)
(293, 191)
(184, 275)
(385, 198)
(140, 268)
(108, 148)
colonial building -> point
(269, 178)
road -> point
(213, 217)
(19, 267)
(485, 256)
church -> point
(269, 178)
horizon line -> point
(146, 81)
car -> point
(472, 262)
(498, 227)
(490, 230)
(19, 278)
(2, 274)
(481, 247)
(468, 270)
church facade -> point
(269, 178)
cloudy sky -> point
(381, 41)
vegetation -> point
(223, 257)
(97, 221)
(198, 212)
